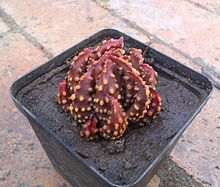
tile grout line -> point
(173, 167)
(202, 7)
(14, 27)
(213, 72)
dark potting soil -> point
(121, 161)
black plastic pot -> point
(65, 160)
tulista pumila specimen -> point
(105, 89)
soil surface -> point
(124, 160)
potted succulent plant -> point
(106, 90)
